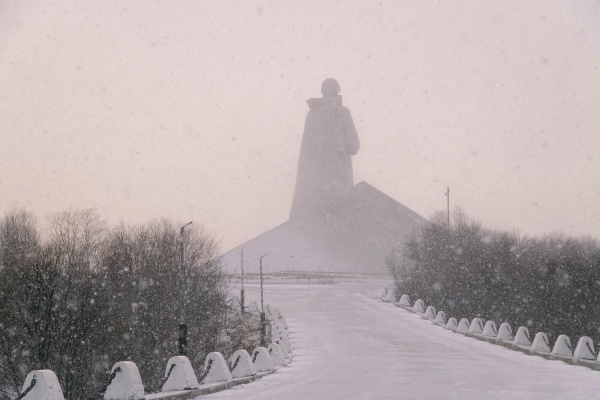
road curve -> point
(350, 345)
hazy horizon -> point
(194, 111)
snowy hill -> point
(352, 233)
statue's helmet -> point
(330, 86)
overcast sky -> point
(194, 110)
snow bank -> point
(419, 307)
(463, 326)
(262, 360)
(405, 301)
(476, 326)
(522, 337)
(125, 382)
(215, 369)
(562, 347)
(276, 355)
(452, 325)
(241, 365)
(585, 349)
(440, 319)
(540, 343)
(430, 313)
(179, 375)
(42, 384)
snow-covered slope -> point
(352, 233)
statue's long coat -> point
(325, 165)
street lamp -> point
(263, 324)
(242, 291)
(182, 295)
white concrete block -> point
(285, 348)
(276, 355)
(405, 301)
(562, 347)
(42, 384)
(430, 313)
(283, 321)
(476, 326)
(490, 330)
(585, 349)
(180, 375)
(241, 365)
(126, 383)
(419, 307)
(522, 337)
(215, 369)
(262, 360)
(452, 325)
(389, 297)
(540, 344)
(505, 333)
(253, 307)
(440, 319)
(463, 326)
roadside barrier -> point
(584, 354)
(179, 381)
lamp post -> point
(182, 295)
(263, 324)
(242, 291)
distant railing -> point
(180, 382)
(583, 354)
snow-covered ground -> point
(350, 345)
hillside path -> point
(350, 345)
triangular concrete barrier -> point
(125, 382)
(505, 333)
(463, 326)
(540, 344)
(179, 375)
(285, 348)
(262, 360)
(490, 330)
(283, 321)
(430, 313)
(476, 326)
(419, 307)
(215, 369)
(41, 384)
(562, 347)
(241, 365)
(585, 349)
(522, 337)
(452, 325)
(440, 319)
(389, 297)
(276, 355)
(253, 307)
(405, 301)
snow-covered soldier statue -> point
(329, 141)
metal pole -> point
(263, 322)
(242, 291)
(448, 199)
(182, 295)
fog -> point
(195, 110)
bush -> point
(548, 284)
(89, 296)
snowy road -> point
(350, 345)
